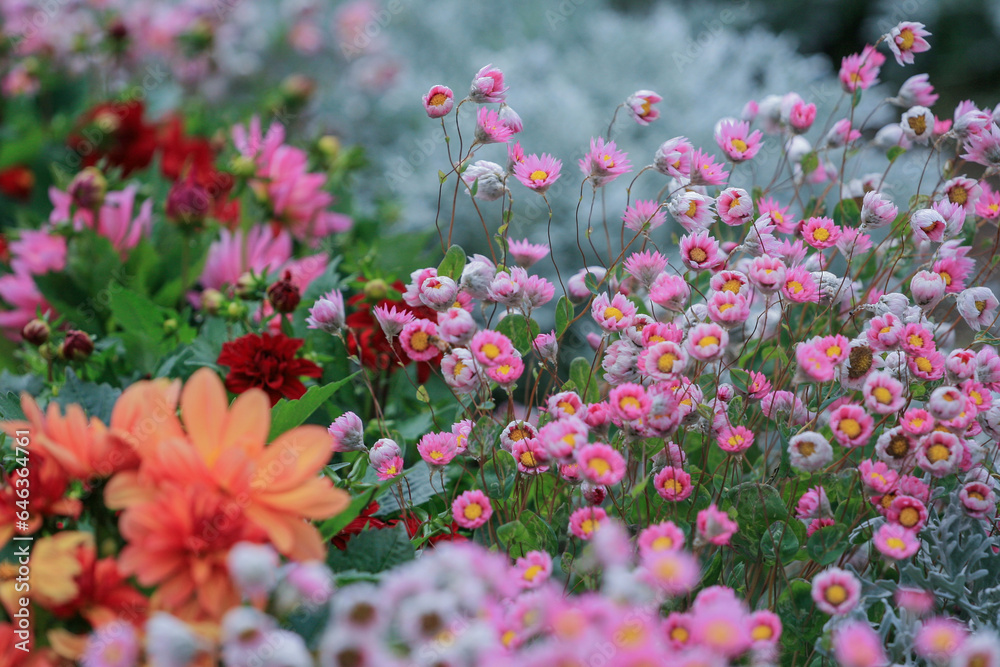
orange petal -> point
(308, 545)
(314, 499)
(274, 524)
(126, 489)
(204, 409)
(294, 457)
(249, 422)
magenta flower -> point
(604, 163)
(940, 453)
(734, 206)
(916, 91)
(645, 266)
(490, 129)
(673, 158)
(883, 393)
(939, 639)
(586, 521)
(663, 536)
(728, 309)
(438, 449)
(526, 254)
(673, 484)
(419, 340)
(906, 39)
(801, 117)
(813, 363)
(860, 70)
(699, 251)
(613, 314)
(471, 509)
(735, 439)
(673, 572)
(347, 432)
(736, 140)
(438, 101)
(601, 464)
(855, 644)
(487, 86)
(836, 591)
(644, 215)
(692, 210)
(538, 173)
(842, 134)
(704, 170)
(707, 342)
(533, 569)
(851, 425)
(640, 106)
(820, 233)
(799, 285)
(714, 526)
(984, 148)
(895, 541)
(327, 313)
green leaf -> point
(591, 282)
(422, 395)
(520, 330)
(541, 530)
(757, 506)
(810, 163)
(286, 415)
(740, 379)
(894, 153)
(846, 213)
(373, 551)
(332, 526)
(779, 542)
(453, 263)
(483, 437)
(10, 407)
(564, 315)
(856, 97)
(499, 474)
(827, 544)
(579, 373)
(97, 400)
(517, 539)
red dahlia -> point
(118, 132)
(267, 362)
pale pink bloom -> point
(978, 499)
(644, 215)
(640, 106)
(813, 362)
(673, 484)
(907, 38)
(538, 173)
(860, 70)
(546, 346)
(946, 403)
(439, 101)
(487, 86)
(802, 116)
(629, 403)
(940, 453)
(613, 314)
(460, 371)
(984, 148)
(664, 536)
(438, 449)
(391, 320)
(526, 253)
(799, 285)
(704, 170)
(885, 332)
(488, 347)
(877, 476)
(809, 451)
(759, 386)
(907, 511)
(820, 233)
(645, 266)
(419, 340)
(347, 433)
(783, 221)
(515, 431)
(877, 211)
(233, 255)
(735, 439)
(963, 191)
(728, 309)
(988, 206)
(842, 134)
(851, 425)
(927, 288)
(510, 118)
(114, 644)
(765, 630)
(488, 179)
(456, 326)
(675, 572)
(916, 90)
(978, 307)
(673, 158)
(734, 206)
(384, 449)
(603, 163)
(471, 509)
(327, 313)
(895, 541)
(566, 404)
(507, 370)
(692, 210)
(836, 591)
(961, 363)
(662, 360)
(813, 504)
(490, 129)
(699, 251)
(918, 124)
(915, 600)
(563, 437)
(601, 464)
(736, 140)
(670, 292)
(939, 639)
(586, 521)
(715, 526)
(707, 342)
(954, 217)
(767, 273)
(533, 569)
(883, 393)
(855, 644)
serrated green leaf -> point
(10, 407)
(97, 400)
(286, 415)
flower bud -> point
(36, 331)
(188, 205)
(376, 289)
(236, 310)
(77, 346)
(88, 188)
(211, 301)
(283, 294)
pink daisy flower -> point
(851, 425)
(707, 342)
(759, 386)
(538, 173)
(673, 158)
(802, 116)
(490, 129)
(563, 437)
(391, 320)
(604, 163)
(983, 148)
(908, 512)
(673, 484)
(988, 205)
(842, 134)
(917, 90)
(586, 521)
(860, 70)
(820, 233)
(419, 339)
(885, 332)
(677, 628)
(813, 364)
(615, 314)
(439, 101)
(734, 206)
(601, 464)
(663, 360)
(735, 439)
(855, 644)
(692, 210)
(700, 251)
(938, 639)
(714, 526)
(533, 569)
(978, 499)
(506, 371)
(704, 170)
(640, 106)
(765, 629)
(836, 591)
(883, 393)
(906, 39)
(940, 453)
(629, 403)
(664, 536)
(877, 476)
(645, 266)
(490, 347)
(799, 286)
(530, 455)
(471, 509)
(670, 292)
(736, 140)
(389, 468)
(644, 215)
(963, 191)
(784, 222)
(566, 404)
(438, 449)
(487, 86)
(728, 309)
(895, 541)
(526, 254)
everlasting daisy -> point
(896, 448)
(506, 371)
(918, 124)
(820, 233)
(799, 286)
(439, 101)
(389, 468)
(489, 347)
(460, 371)
(860, 71)
(673, 484)
(603, 163)
(692, 210)
(836, 592)
(704, 170)
(699, 251)
(802, 116)
(736, 140)
(851, 425)
(735, 439)
(438, 449)
(347, 432)
(728, 309)
(614, 314)
(531, 456)
(673, 158)
(908, 512)
(842, 134)
(946, 402)
(939, 453)
(984, 148)
(662, 360)
(641, 106)
(645, 266)
(538, 173)
(601, 464)
(809, 451)
(490, 129)
(586, 521)
(978, 307)
(644, 215)
(418, 339)
(978, 499)
(563, 437)
(487, 86)
(707, 342)
(877, 476)
(906, 39)
(715, 526)
(488, 179)
(939, 639)
(735, 207)
(664, 536)
(856, 644)
(673, 572)
(883, 393)
(471, 509)
(896, 542)
(988, 205)
(533, 569)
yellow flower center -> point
(528, 460)
(708, 340)
(437, 455)
(663, 543)
(833, 351)
(975, 495)
(599, 466)
(491, 350)
(946, 277)
(916, 340)
(821, 234)
(937, 453)
(459, 367)
(538, 175)
(630, 402)
(698, 255)
(473, 511)
(672, 486)
(666, 362)
(588, 526)
(906, 38)
(895, 543)
(761, 632)
(420, 341)
(692, 209)
(794, 285)
(611, 311)
(732, 285)
(980, 306)
(909, 517)
(850, 427)
(835, 594)
(724, 307)
(532, 572)
(647, 106)
(918, 124)
(925, 366)
(566, 407)
(958, 195)
(739, 145)
(807, 448)
(679, 634)
(882, 395)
